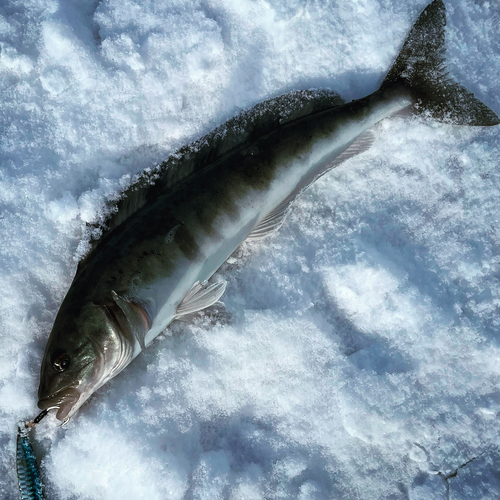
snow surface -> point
(362, 357)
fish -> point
(172, 229)
(28, 475)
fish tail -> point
(421, 68)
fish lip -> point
(63, 400)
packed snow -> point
(359, 357)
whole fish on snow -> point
(177, 225)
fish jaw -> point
(64, 401)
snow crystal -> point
(361, 356)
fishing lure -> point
(28, 475)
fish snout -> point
(64, 400)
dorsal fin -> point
(246, 127)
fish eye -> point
(61, 363)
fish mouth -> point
(64, 400)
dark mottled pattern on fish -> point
(138, 247)
(196, 201)
(243, 129)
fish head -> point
(85, 349)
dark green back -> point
(237, 132)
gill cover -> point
(85, 349)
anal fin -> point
(201, 296)
(274, 219)
(272, 222)
(361, 144)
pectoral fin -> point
(201, 296)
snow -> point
(361, 358)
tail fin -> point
(421, 67)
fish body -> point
(170, 237)
(30, 483)
(186, 234)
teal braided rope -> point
(30, 483)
